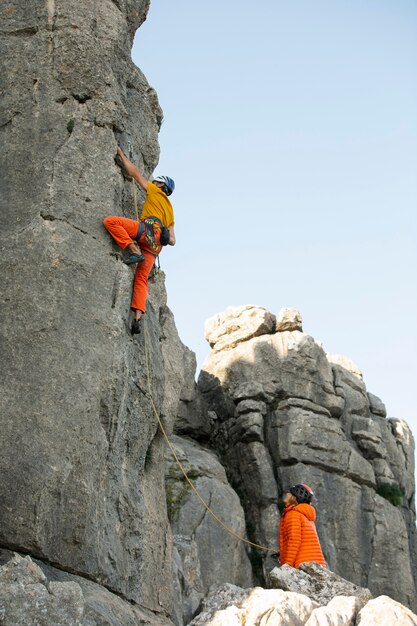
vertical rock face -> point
(205, 553)
(81, 475)
(285, 412)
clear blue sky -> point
(290, 128)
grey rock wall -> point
(82, 479)
(35, 594)
(205, 554)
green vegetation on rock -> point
(391, 492)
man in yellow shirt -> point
(134, 235)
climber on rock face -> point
(144, 238)
(298, 539)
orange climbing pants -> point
(125, 231)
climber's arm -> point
(172, 240)
(132, 170)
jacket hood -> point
(307, 510)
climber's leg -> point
(140, 285)
(122, 229)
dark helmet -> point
(168, 183)
(303, 493)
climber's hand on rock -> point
(123, 162)
(121, 159)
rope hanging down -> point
(229, 530)
(135, 199)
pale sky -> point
(290, 129)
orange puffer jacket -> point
(298, 540)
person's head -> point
(289, 499)
(302, 493)
(165, 183)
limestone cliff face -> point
(282, 411)
(82, 469)
(81, 482)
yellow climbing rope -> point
(135, 199)
(231, 531)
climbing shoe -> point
(134, 258)
(136, 327)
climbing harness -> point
(149, 224)
(229, 530)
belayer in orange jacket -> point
(157, 215)
(298, 539)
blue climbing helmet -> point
(302, 492)
(168, 183)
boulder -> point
(237, 324)
(27, 600)
(340, 611)
(318, 583)
(233, 606)
(383, 611)
(288, 319)
(33, 593)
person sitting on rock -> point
(298, 539)
(144, 239)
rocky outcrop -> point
(384, 611)
(317, 598)
(287, 412)
(25, 598)
(318, 583)
(226, 330)
(233, 606)
(35, 594)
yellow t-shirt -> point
(157, 205)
